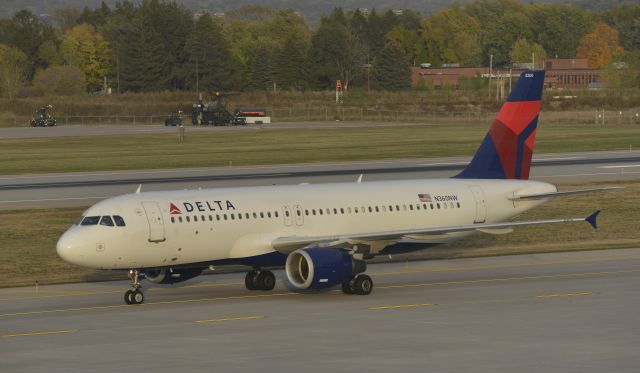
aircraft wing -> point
(291, 243)
(559, 194)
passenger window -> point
(298, 212)
(390, 208)
(262, 215)
(90, 220)
(313, 211)
(247, 215)
(218, 217)
(268, 214)
(275, 214)
(404, 207)
(411, 207)
(173, 220)
(188, 220)
(370, 210)
(424, 206)
(210, 218)
(286, 213)
(180, 219)
(255, 216)
(438, 205)
(119, 220)
(363, 210)
(418, 206)
(397, 208)
(306, 212)
(224, 216)
(195, 218)
(335, 211)
(356, 210)
(341, 210)
(239, 216)
(349, 210)
(384, 208)
(320, 211)
(106, 221)
(202, 218)
(445, 205)
(233, 216)
(431, 204)
(458, 204)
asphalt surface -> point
(565, 312)
(86, 188)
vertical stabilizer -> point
(506, 151)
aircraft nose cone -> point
(66, 248)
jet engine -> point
(170, 275)
(317, 268)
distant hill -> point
(312, 10)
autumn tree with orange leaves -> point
(600, 46)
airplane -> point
(321, 234)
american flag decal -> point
(174, 210)
(424, 197)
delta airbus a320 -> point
(322, 234)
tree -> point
(411, 42)
(337, 53)
(27, 33)
(60, 80)
(523, 52)
(211, 65)
(452, 36)
(626, 19)
(66, 17)
(600, 46)
(291, 67)
(12, 70)
(49, 55)
(392, 70)
(559, 28)
(86, 49)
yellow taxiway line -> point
(39, 333)
(229, 319)
(564, 295)
(400, 306)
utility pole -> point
(118, 71)
(533, 61)
(490, 72)
(197, 76)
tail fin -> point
(506, 151)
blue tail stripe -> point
(486, 163)
(522, 138)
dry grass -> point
(29, 236)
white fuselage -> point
(173, 228)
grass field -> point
(29, 236)
(276, 146)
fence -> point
(333, 113)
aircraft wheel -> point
(347, 287)
(127, 296)
(363, 285)
(250, 280)
(266, 280)
(137, 297)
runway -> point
(563, 312)
(85, 188)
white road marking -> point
(443, 164)
(595, 174)
(557, 159)
(621, 166)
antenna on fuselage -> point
(139, 188)
(359, 179)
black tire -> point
(363, 285)
(347, 287)
(266, 280)
(137, 297)
(127, 296)
(250, 281)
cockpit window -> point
(107, 221)
(79, 220)
(119, 220)
(90, 220)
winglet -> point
(591, 219)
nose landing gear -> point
(134, 296)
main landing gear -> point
(360, 284)
(260, 280)
(134, 296)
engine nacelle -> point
(316, 268)
(170, 275)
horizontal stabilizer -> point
(591, 219)
(560, 194)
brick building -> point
(560, 73)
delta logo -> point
(201, 206)
(174, 210)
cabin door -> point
(288, 219)
(481, 204)
(297, 212)
(156, 223)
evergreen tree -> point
(392, 70)
(260, 70)
(211, 65)
(291, 65)
(141, 58)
